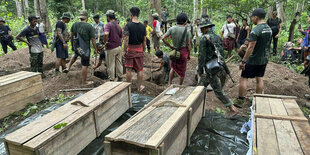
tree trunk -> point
(83, 5)
(26, 8)
(281, 13)
(19, 8)
(123, 7)
(37, 8)
(175, 8)
(150, 11)
(299, 9)
(44, 15)
(195, 10)
(157, 6)
(270, 10)
(201, 6)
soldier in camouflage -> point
(207, 53)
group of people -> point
(108, 39)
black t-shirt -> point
(136, 33)
(60, 25)
(274, 24)
(4, 30)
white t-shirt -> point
(41, 27)
(231, 26)
(156, 25)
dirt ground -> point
(278, 80)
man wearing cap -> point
(85, 33)
(61, 44)
(99, 32)
(207, 52)
(275, 25)
(254, 62)
(156, 33)
(112, 40)
(6, 37)
(31, 32)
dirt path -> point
(278, 80)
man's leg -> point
(139, 80)
(40, 62)
(110, 61)
(275, 45)
(72, 61)
(33, 62)
(128, 74)
(63, 63)
(118, 63)
(84, 74)
(171, 76)
(259, 85)
(181, 81)
(11, 44)
(229, 53)
(4, 47)
(58, 63)
(242, 87)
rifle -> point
(227, 71)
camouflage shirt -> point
(207, 50)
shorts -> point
(61, 52)
(84, 61)
(102, 55)
(252, 71)
(156, 41)
(135, 63)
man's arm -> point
(144, 43)
(20, 38)
(126, 40)
(202, 56)
(161, 66)
(280, 28)
(105, 37)
(60, 36)
(166, 42)
(189, 47)
(248, 32)
(93, 40)
(247, 54)
(71, 40)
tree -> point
(280, 10)
(195, 2)
(83, 5)
(26, 8)
(19, 8)
(37, 8)
(299, 9)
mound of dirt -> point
(278, 80)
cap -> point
(206, 23)
(110, 12)
(155, 15)
(83, 14)
(96, 16)
(66, 15)
(259, 12)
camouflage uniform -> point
(36, 62)
(206, 53)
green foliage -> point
(59, 126)
(220, 111)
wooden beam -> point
(282, 117)
(189, 124)
(275, 96)
(107, 148)
(76, 89)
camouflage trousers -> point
(215, 82)
(36, 62)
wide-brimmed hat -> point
(110, 12)
(83, 14)
(206, 23)
(155, 15)
(66, 15)
(2, 20)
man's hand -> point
(306, 47)
(65, 45)
(277, 36)
(242, 66)
(29, 44)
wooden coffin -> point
(86, 116)
(279, 126)
(164, 126)
(18, 89)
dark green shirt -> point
(262, 35)
(85, 30)
(207, 50)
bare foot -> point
(233, 110)
(141, 88)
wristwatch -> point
(243, 62)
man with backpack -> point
(112, 40)
(6, 37)
(210, 48)
(81, 35)
(62, 37)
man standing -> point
(81, 35)
(254, 62)
(275, 25)
(42, 34)
(148, 33)
(134, 46)
(197, 35)
(156, 33)
(112, 41)
(6, 37)
(62, 39)
(209, 44)
(99, 32)
(31, 32)
(306, 41)
(164, 17)
(228, 35)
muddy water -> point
(214, 134)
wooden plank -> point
(44, 137)
(37, 127)
(254, 148)
(189, 125)
(196, 117)
(159, 135)
(129, 97)
(282, 117)
(287, 140)
(16, 79)
(18, 86)
(19, 150)
(12, 76)
(275, 96)
(266, 134)
(20, 95)
(7, 110)
(107, 148)
(302, 129)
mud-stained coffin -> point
(99, 109)
(164, 126)
(18, 89)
